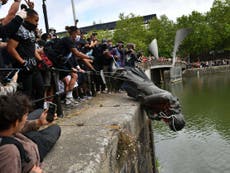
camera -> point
(51, 111)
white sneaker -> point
(71, 100)
(68, 101)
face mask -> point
(77, 38)
(29, 26)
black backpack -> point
(10, 140)
(50, 51)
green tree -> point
(219, 20)
(211, 31)
(200, 40)
(131, 29)
(164, 31)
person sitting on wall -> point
(22, 146)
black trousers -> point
(45, 139)
(33, 86)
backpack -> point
(50, 52)
(10, 140)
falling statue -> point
(159, 104)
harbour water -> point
(203, 146)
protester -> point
(22, 146)
(121, 49)
(21, 46)
(85, 87)
(131, 56)
(52, 33)
(9, 25)
(110, 64)
(60, 51)
(100, 53)
(93, 41)
(48, 75)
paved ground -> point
(88, 133)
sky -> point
(60, 13)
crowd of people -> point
(35, 69)
(83, 64)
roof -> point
(109, 25)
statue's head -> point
(164, 106)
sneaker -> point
(71, 100)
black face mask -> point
(29, 26)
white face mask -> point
(77, 38)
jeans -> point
(45, 139)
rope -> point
(9, 69)
(65, 70)
(44, 98)
(173, 117)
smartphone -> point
(10, 75)
(51, 111)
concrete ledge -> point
(107, 134)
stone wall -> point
(108, 134)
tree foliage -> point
(210, 31)
(219, 21)
(131, 29)
(164, 31)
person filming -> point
(22, 145)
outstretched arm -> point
(79, 54)
(85, 58)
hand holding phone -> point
(13, 75)
(51, 111)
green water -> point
(203, 146)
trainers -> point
(69, 101)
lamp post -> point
(45, 16)
(74, 13)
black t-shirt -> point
(99, 57)
(63, 46)
(26, 39)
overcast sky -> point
(60, 12)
